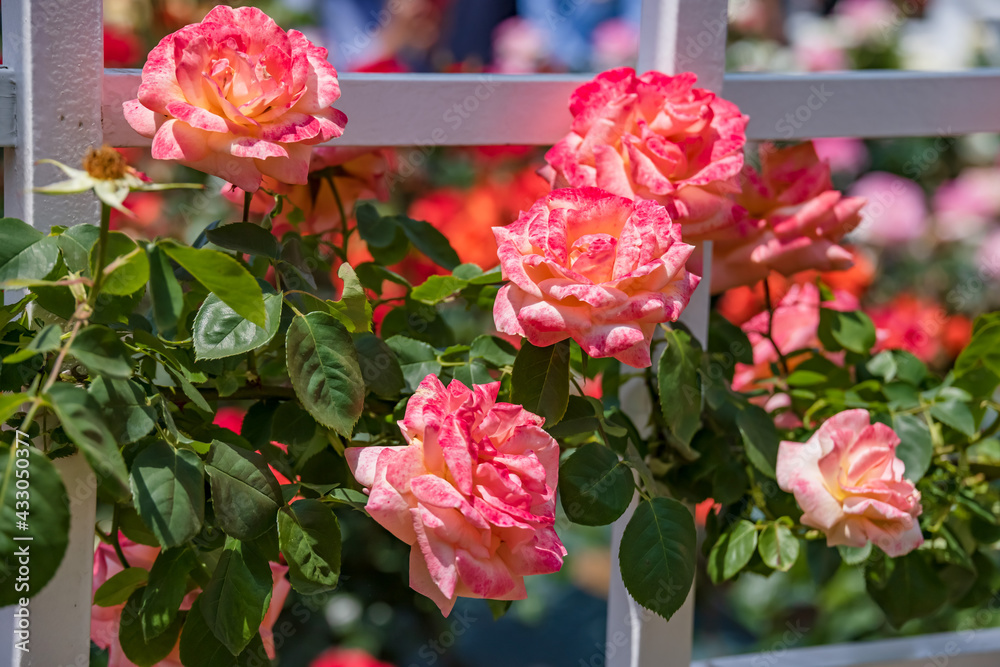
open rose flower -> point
(237, 97)
(796, 220)
(597, 268)
(105, 622)
(473, 493)
(655, 137)
(849, 483)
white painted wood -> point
(419, 109)
(53, 62)
(967, 648)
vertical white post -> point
(55, 50)
(675, 36)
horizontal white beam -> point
(420, 109)
(471, 109)
(968, 648)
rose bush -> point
(597, 268)
(238, 97)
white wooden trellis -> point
(56, 101)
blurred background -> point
(927, 262)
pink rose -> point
(655, 137)
(845, 154)
(473, 493)
(966, 205)
(600, 269)
(796, 220)
(896, 210)
(238, 97)
(849, 484)
(106, 621)
(795, 327)
(346, 657)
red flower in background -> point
(920, 327)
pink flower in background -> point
(655, 137)
(519, 47)
(105, 621)
(843, 154)
(849, 483)
(616, 43)
(473, 493)
(597, 268)
(795, 326)
(796, 220)
(896, 211)
(237, 97)
(988, 257)
(967, 204)
(869, 19)
(346, 657)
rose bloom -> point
(346, 657)
(359, 173)
(237, 97)
(849, 483)
(796, 220)
(473, 493)
(106, 621)
(655, 137)
(597, 268)
(966, 205)
(795, 327)
(844, 154)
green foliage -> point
(596, 488)
(168, 489)
(235, 600)
(540, 380)
(309, 536)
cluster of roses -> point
(651, 166)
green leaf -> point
(760, 438)
(778, 547)
(729, 340)
(309, 535)
(165, 590)
(855, 555)
(657, 555)
(680, 389)
(893, 364)
(732, 551)
(245, 494)
(46, 340)
(118, 588)
(168, 490)
(956, 414)
(245, 237)
(75, 244)
(436, 289)
(99, 349)
(983, 349)
(48, 521)
(906, 587)
(123, 408)
(134, 645)
(219, 331)
(496, 352)
(596, 488)
(428, 240)
(236, 598)
(10, 403)
(376, 231)
(164, 290)
(80, 418)
(416, 358)
(499, 608)
(198, 646)
(224, 276)
(354, 310)
(851, 330)
(915, 447)
(127, 277)
(25, 253)
(540, 380)
(323, 366)
(379, 366)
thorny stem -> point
(247, 198)
(115, 542)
